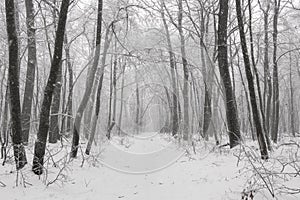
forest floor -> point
(151, 167)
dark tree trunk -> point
(13, 78)
(216, 120)
(247, 100)
(36, 100)
(267, 77)
(89, 85)
(254, 64)
(166, 127)
(231, 109)
(261, 105)
(208, 69)
(207, 111)
(30, 76)
(17, 23)
(255, 112)
(66, 120)
(55, 108)
(40, 144)
(275, 103)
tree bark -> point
(70, 96)
(267, 77)
(113, 92)
(261, 105)
(55, 108)
(254, 64)
(185, 93)
(4, 125)
(2, 96)
(99, 90)
(275, 103)
(30, 76)
(121, 99)
(13, 78)
(172, 66)
(17, 23)
(40, 143)
(207, 77)
(231, 109)
(255, 112)
(137, 95)
(89, 85)
(292, 112)
(247, 101)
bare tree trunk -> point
(255, 112)
(36, 101)
(121, 101)
(215, 122)
(185, 93)
(88, 113)
(30, 76)
(89, 85)
(113, 92)
(254, 64)
(68, 110)
(63, 101)
(55, 106)
(55, 109)
(267, 77)
(13, 78)
(17, 22)
(195, 103)
(207, 80)
(2, 96)
(261, 105)
(40, 143)
(110, 95)
(166, 127)
(172, 66)
(137, 114)
(99, 90)
(231, 109)
(275, 103)
(292, 114)
(231, 65)
(247, 100)
(4, 125)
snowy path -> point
(207, 176)
(145, 153)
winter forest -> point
(150, 99)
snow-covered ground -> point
(149, 167)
